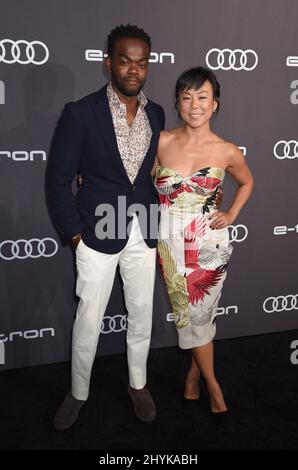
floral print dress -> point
(192, 256)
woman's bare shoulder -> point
(233, 154)
(228, 149)
(232, 149)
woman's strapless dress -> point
(193, 257)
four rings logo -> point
(286, 149)
(97, 55)
(23, 155)
(33, 248)
(238, 233)
(228, 59)
(23, 52)
(280, 303)
(114, 324)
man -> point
(111, 138)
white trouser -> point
(96, 272)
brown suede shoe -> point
(68, 412)
(144, 405)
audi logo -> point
(23, 52)
(280, 303)
(114, 324)
(238, 233)
(228, 59)
(286, 149)
(22, 249)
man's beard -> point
(121, 87)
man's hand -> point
(76, 240)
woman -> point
(194, 246)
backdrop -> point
(51, 52)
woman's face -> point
(197, 106)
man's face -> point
(128, 66)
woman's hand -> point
(218, 199)
(239, 170)
(221, 219)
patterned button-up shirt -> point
(133, 141)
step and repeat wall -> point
(52, 52)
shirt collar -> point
(116, 103)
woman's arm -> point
(237, 168)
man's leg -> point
(96, 272)
(137, 267)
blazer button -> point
(133, 188)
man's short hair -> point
(128, 31)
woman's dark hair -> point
(126, 31)
(193, 79)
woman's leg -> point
(203, 356)
(191, 391)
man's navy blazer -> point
(84, 141)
